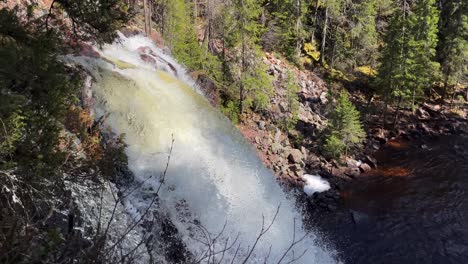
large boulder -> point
(295, 156)
(364, 167)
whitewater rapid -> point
(215, 181)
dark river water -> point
(412, 209)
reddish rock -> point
(148, 59)
(295, 156)
(365, 167)
(87, 50)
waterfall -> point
(216, 191)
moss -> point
(367, 70)
(311, 50)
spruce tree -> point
(453, 45)
(251, 81)
(408, 64)
(344, 128)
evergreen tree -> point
(407, 63)
(453, 47)
(423, 42)
(363, 33)
(288, 26)
(344, 128)
(91, 20)
(252, 82)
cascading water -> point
(214, 178)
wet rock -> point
(148, 59)
(88, 51)
(379, 135)
(371, 161)
(295, 156)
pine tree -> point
(407, 63)
(363, 33)
(423, 42)
(252, 82)
(345, 129)
(453, 45)
(288, 26)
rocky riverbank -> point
(297, 152)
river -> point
(412, 209)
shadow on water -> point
(412, 209)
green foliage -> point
(287, 26)
(290, 121)
(363, 33)
(95, 20)
(334, 146)
(407, 64)
(36, 89)
(344, 128)
(231, 111)
(453, 47)
(258, 87)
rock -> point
(304, 151)
(295, 156)
(305, 115)
(276, 148)
(365, 167)
(422, 114)
(277, 136)
(352, 172)
(313, 160)
(379, 135)
(88, 51)
(283, 106)
(353, 163)
(148, 59)
(371, 161)
(432, 108)
(323, 98)
(262, 125)
(424, 127)
(257, 140)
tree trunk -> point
(243, 64)
(298, 28)
(147, 14)
(324, 38)
(312, 35)
(395, 119)
(444, 91)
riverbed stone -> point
(365, 167)
(295, 156)
(371, 161)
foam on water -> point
(214, 176)
(314, 183)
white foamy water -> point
(314, 183)
(214, 176)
